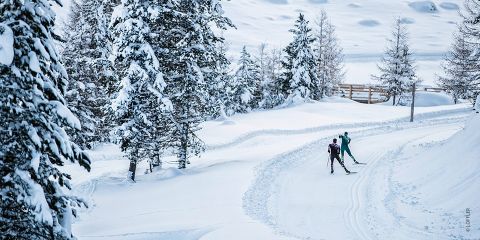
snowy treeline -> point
(307, 69)
(151, 72)
(92, 78)
(461, 66)
(156, 70)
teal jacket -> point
(345, 141)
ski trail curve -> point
(281, 132)
(256, 199)
(352, 215)
(372, 218)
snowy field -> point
(264, 176)
(362, 27)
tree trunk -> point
(156, 161)
(132, 169)
(183, 147)
(394, 99)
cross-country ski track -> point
(359, 206)
(289, 194)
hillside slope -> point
(362, 27)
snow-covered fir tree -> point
(397, 70)
(300, 74)
(222, 91)
(245, 83)
(34, 116)
(271, 85)
(269, 63)
(92, 78)
(459, 69)
(261, 62)
(329, 57)
(470, 28)
(219, 81)
(196, 65)
(141, 107)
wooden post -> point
(351, 91)
(370, 95)
(413, 103)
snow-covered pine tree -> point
(91, 75)
(222, 91)
(166, 29)
(397, 70)
(329, 57)
(272, 84)
(459, 69)
(226, 98)
(263, 85)
(218, 81)
(197, 63)
(34, 117)
(470, 28)
(141, 106)
(245, 84)
(300, 72)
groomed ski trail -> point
(282, 132)
(353, 216)
(262, 197)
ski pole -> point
(328, 159)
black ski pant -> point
(332, 159)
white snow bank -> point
(318, 1)
(425, 99)
(369, 23)
(424, 6)
(277, 1)
(449, 6)
(406, 20)
(164, 174)
(445, 179)
(6, 45)
(430, 99)
(336, 99)
(308, 115)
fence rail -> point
(370, 94)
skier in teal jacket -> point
(344, 148)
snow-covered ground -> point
(264, 176)
(362, 27)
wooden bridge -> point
(371, 94)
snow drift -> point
(443, 185)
